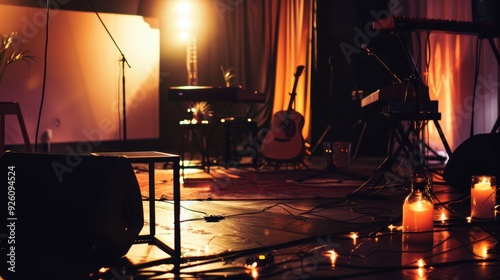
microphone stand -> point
(370, 53)
(123, 61)
(395, 129)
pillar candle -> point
(483, 198)
(418, 217)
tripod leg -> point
(361, 135)
(495, 127)
(443, 139)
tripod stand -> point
(408, 102)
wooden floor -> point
(354, 236)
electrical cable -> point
(476, 77)
(273, 269)
(44, 83)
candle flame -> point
(443, 216)
(485, 252)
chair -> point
(12, 108)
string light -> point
(333, 256)
(443, 216)
(354, 236)
(421, 265)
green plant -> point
(9, 56)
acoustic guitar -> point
(284, 141)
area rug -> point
(239, 184)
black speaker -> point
(66, 213)
(478, 155)
(485, 11)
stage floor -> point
(352, 231)
(352, 235)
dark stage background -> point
(341, 26)
(345, 73)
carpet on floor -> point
(240, 184)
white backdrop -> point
(83, 86)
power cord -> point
(44, 74)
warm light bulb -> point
(255, 273)
(183, 23)
(333, 257)
(443, 216)
(420, 273)
(184, 8)
(184, 36)
(354, 236)
(421, 265)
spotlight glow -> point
(184, 35)
(184, 23)
(183, 8)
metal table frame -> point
(152, 157)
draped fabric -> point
(452, 77)
(295, 38)
(263, 42)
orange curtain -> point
(451, 75)
(264, 42)
(294, 45)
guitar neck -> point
(297, 74)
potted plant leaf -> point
(9, 55)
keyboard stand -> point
(496, 126)
(401, 135)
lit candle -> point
(483, 197)
(418, 217)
